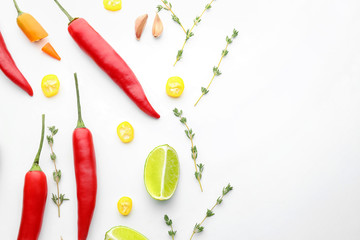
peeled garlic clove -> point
(157, 26)
(140, 25)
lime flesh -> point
(161, 174)
(123, 233)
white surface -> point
(281, 124)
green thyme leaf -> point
(209, 213)
(176, 19)
(198, 228)
(179, 54)
(159, 8)
(235, 33)
(204, 90)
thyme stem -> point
(216, 71)
(58, 198)
(196, 21)
(168, 222)
(57, 182)
(210, 212)
(170, 9)
(189, 33)
(199, 19)
(199, 168)
(213, 77)
(194, 155)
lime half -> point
(161, 174)
(123, 233)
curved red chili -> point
(85, 172)
(109, 61)
(34, 200)
(8, 66)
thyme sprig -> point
(168, 7)
(189, 32)
(216, 70)
(210, 212)
(168, 222)
(199, 168)
(58, 198)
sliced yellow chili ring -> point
(112, 5)
(125, 132)
(175, 87)
(124, 205)
(50, 85)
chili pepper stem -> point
(17, 8)
(80, 123)
(64, 11)
(35, 166)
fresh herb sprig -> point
(210, 212)
(168, 7)
(168, 222)
(216, 70)
(58, 198)
(199, 168)
(189, 32)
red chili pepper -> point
(108, 60)
(8, 66)
(35, 193)
(85, 172)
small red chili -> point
(8, 66)
(34, 200)
(85, 172)
(108, 60)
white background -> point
(281, 123)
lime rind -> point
(166, 182)
(124, 233)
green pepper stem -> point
(35, 166)
(17, 8)
(65, 12)
(80, 123)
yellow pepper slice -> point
(124, 205)
(50, 85)
(175, 87)
(112, 5)
(125, 132)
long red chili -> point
(85, 172)
(8, 66)
(109, 61)
(35, 193)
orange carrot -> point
(28, 24)
(49, 50)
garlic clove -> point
(157, 26)
(140, 24)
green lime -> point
(161, 174)
(123, 233)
